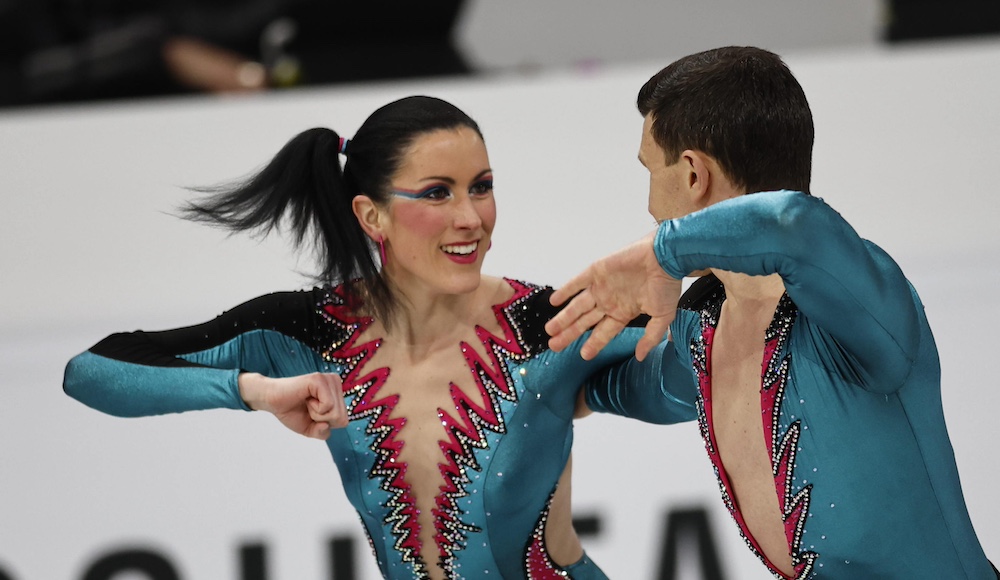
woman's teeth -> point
(461, 249)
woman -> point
(448, 417)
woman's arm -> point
(661, 388)
(223, 363)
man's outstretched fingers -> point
(577, 283)
(567, 335)
(655, 330)
(605, 331)
(579, 306)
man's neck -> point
(751, 293)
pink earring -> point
(381, 250)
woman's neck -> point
(424, 322)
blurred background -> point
(110, 109)
(80, 50)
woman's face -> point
(441, 214)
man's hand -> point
(612, 292)
(310, 405)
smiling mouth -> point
(460, 249)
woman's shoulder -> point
(526, 306)
(515, 285)
(514, 293)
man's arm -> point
(842, 283)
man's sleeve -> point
(843, 284)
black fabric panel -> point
(700, 292)
(538, 311)
(293, 314)
(531, 315)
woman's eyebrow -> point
(447, 180)
(451, 181)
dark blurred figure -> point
(83, 50)
(929, 19)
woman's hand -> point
(310, 405)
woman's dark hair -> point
(742, 106)
(304, 189)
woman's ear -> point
(368, 215)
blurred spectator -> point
(75, 50)
(927, 19)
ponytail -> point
(303, 188)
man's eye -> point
(482, 187)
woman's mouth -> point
(462, 253)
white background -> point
(907, 149)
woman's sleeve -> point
(150, 373)
(555, 378)
(660, 389)
(845, 285)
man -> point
(805, 355)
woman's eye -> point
(438, 192)
(481, 188)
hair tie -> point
(343, 145)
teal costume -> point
(503, 459)
(864, 472)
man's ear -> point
(368, 215)
(698, 178)
(707, 181)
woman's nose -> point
(466, 214)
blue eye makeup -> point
(432, 192)
(442, 191)
(481, 187)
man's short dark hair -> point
(742, 106)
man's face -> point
(667, 199)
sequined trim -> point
(468, 431)
(794, 505)
(537, 563)
(464, 433)
(782, 447)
